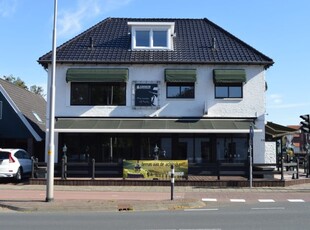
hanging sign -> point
(146, 94)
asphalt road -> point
(237, 216)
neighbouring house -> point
(299, 140)
(22, 119)
(132, 88)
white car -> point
(15, 163)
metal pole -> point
(93, 168)
(308, 162)
(51, 147)
(172, 181)
(251, 155)
(282, 168)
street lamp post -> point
(51, 146)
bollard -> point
(64, 167)
(297, 175)
(172, 181)
(93, 169)
(282, 169)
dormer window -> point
(152, 35)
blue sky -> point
(279, 29)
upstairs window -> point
(180, 90)
(229, 83)
(180, 83)
(95, 93)
(148, 35)
(97, 86)
(227, 90)
(143, 38)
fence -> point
(95, 169)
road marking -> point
(270, 208)
(200, 229)
(266, 200)
(209, 199)
(203, 209)
(237, 200)
(295, 200)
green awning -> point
(229, 76)
(116, 125)
(278, 131)
(96, 75)
(180, 75)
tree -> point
(20, 83)
(37, 90)
(16, 81)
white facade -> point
(251, 105)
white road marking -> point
(270, 208)
(237, 200)
(295, 200)
(266, 200)
(203, 209)
(209, 199)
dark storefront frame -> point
(197, 148)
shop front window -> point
(232, 149)
(155, 148)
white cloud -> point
(276, 101)
(71, 21)
(288, 106)
(276, 98)
(7, 7)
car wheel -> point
(19, 174)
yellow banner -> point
(150, 169)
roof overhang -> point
(139, 125)
(277, 131)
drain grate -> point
(124, 207)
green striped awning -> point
(97, 75)
(180, 75)
(229, 76)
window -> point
(180, 90)
(228, 90)
(152, 35)
(98, 93)
(229, 82)
(160, 39)
(151, 39)
(37, 117)
(232, 148)
(143, 38)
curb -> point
(103, 206)
(17, 208)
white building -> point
(186, 86)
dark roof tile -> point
(192, 44)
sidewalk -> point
(31, 198)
